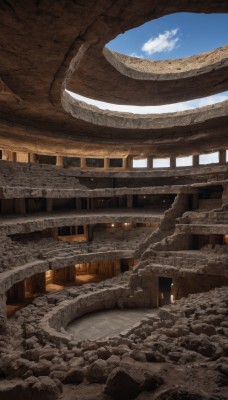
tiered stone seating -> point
(12, 254)
(213, 217)
(35, 175)
(189, 259)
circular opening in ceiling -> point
(173, 36)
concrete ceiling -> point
(48, 46)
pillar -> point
(89, 232)
(78, 204)
(83, 162)
(49, 205)
(106, 163)
(195, 160)
(172, 162)
(124, 163)
(129, 201)
(32, 158)
(86, 232)
(59, 161)
(19, 206)
(37, 283)
(149, 162)
(63, 275)
(222, 157)
(54, 232)
(2, 313)
(195, 201)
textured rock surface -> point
(188, 338)
(70, 36)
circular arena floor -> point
(108, 323)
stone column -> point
(59, 161)
(54, 232)
(195, 201)
(2, 313)
(130, 162)
(78, 203)
(19, 206)
(38, 283)
(82, 162)
(125, 163)
(222, 157)
(195, 160)
(172, 162)
(32, 158)
(106, 163)
(149, 162)
(90, 232)
(129, 201)
(49, 205)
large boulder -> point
(74, 375)
(127, 381)
(97, 372)
(30, 389)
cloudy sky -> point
(173, 36)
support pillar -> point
(59, 161)
(63, 275)
(172, 162)
(222, 157)
(195, 201)
(36, 284)
(149, 162)
(124, 163)
(83, 162)
(106, 163)
(78, 204)
(32, 158)
(19, 206)
(129, 201)
(89, 230)
(54, 233)
(195, 160)
(49, 205)
(2, 313)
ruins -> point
(88, 236)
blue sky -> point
(190, 33)
(173, 36)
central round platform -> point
(108, 323)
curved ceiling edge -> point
(143, 69)
(94, 115)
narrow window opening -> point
(184, 161)
(161, 162)
(210, 158)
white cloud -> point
(167, 108)
(164, 42)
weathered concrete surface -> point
(54, 39)
(41, 221)
(187, 338)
